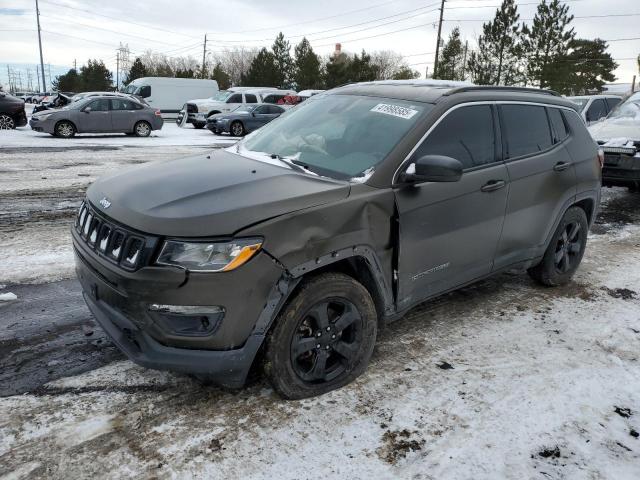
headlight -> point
(209, 256)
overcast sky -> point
(94, 29)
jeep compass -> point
(290, 249)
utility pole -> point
(204, 55)
(75, 65)
(435, 63)
(117, 70)
(44, 85)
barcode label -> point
(395, 110)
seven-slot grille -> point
(109, 240)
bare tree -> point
(387, 63)
(235, 62)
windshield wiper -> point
(294, 164)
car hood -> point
(616, 128)
(206, 196)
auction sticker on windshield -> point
(395, 110)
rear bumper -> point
(20, 119)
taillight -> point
(157, 113)
(601, 157)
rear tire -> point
(323, 339)
(142, 129)
(7, 123)
(236, 129)
(565, 251)
(65, 129)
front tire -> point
(236, 129)
(565, 251)
(7, 123)
(65, 129)
(142, 129)
(323, 339)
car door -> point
(95, 117)
(541, 174)
(233, 102)
(123, 114)
(260, 116)
(448, 232)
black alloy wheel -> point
(568, 247)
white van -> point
(170, 94)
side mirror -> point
(433, 168)
(87, 110)
(145, 92)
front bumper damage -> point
(123, 302)
(621, 166)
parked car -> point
(594, 107)
(243, 119)
(619, 137)
(302, 239)
(197, 111)
(58, 101)
(170, 94)
(103, 114)
(12, 112)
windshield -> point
(580, 101)
(629, 109)
(339, 136)
(221, 96)
(131, 89)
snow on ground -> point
(170, 134)
(545, 383)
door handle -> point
(493, 185)
(561, 166)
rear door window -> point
(250, 98)
(597, 110)
(526, 129)
(557, 123)
(465, 134)
(120, 104)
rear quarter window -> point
(526, 129)
(558, 125)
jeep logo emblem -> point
(105, 203)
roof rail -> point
(476, 88)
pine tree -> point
(547, 39)
(220, 76)
(137, 70)
(362, 69)
(306, 71)
(450, 65)
(405, 73)
(338, 70)
(498, 59)
(585, 68)
(263, 71)
(96, 76)
(284, 63)
(69, 82)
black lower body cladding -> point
(134, 308)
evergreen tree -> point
(263, 71)
(284, 63)
(498, 60)
(362, 69)
(450, 62)
(137, 70)
(96, 76)
(220, 76)
(338, 70)
(69, 82)
(585, 68)
(188, 73)
(547, 39)
(405, 73)
(163, 69)
(306, 71)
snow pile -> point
(8, 297)
(619, 142)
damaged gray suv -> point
(290, 249)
